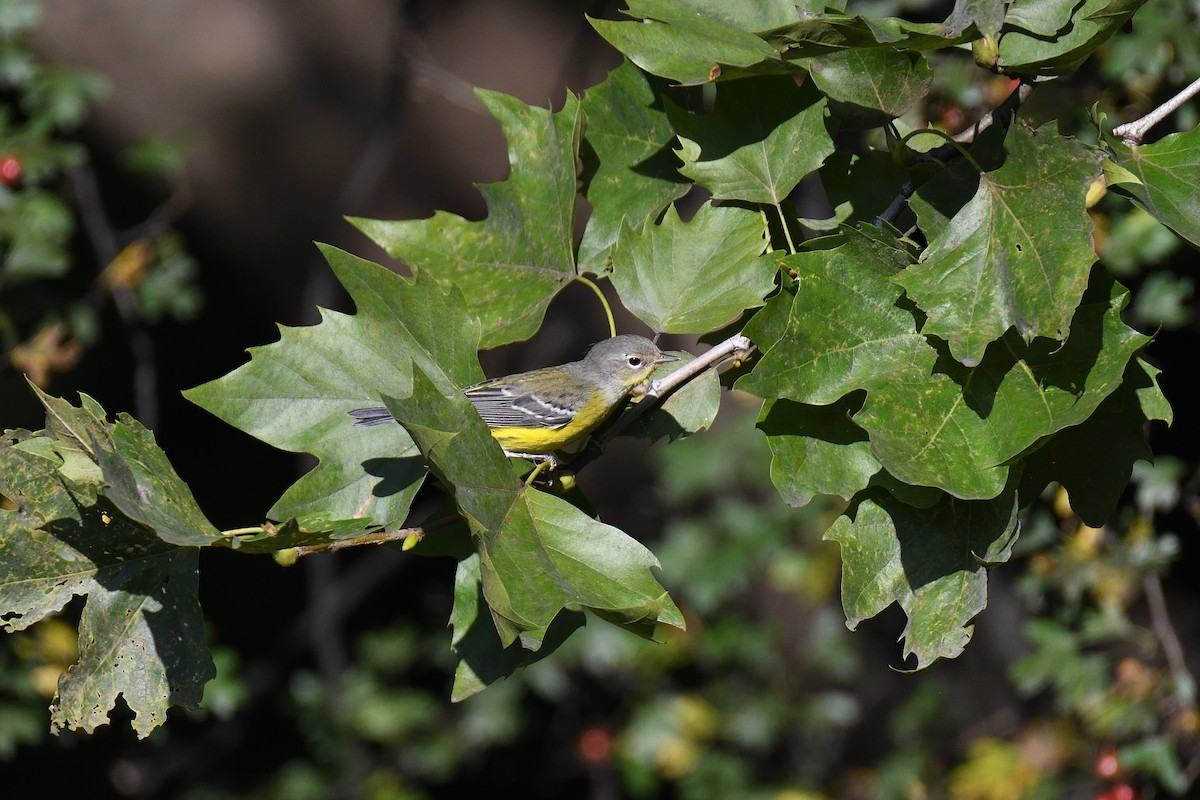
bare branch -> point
(1132, 133)
(1161, 621)
(1002, 114)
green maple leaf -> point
(985, 15)
(878, 79)
(1165, 172)
(682, 41)
(820, 34)
(296, 393)
(512, 264)
(141, 634)
(717, 269)
(482, 658)
(1093, 460)
(1090, 24)
(629, 171)
(931, 561)
(1044, 18)
(1010, 247)
(817, 449)
(538, 554)
(763, 136)
(931, 421)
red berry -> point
(10, 169)
(1123, 791)
(595, 745)
(1106, 765)
(953, 117)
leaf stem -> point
(247, 531)
(951, 143)
(612, 325)
(1132, 133)
(537, 470)
(379, 537)
(787, 234)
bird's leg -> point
(549, 459)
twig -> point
(1161, 622)
(1183, 680)
(734, 347)
(381, 537)
(737, 346)
(890, 213)
(1132, 133)
(105, 245)
(376, 537)
(1003, 114)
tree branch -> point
(1161, 622)
(1132, 133)
(1002, 114)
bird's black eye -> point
(634, 361)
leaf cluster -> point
(941, 348)
(99, 512)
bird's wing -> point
(503, 406)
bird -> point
(533, 414)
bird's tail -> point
(369, 417)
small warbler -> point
(537, 412)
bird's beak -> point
(663, 358)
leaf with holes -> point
(1008, 248)
(930, 420)
(141, 635)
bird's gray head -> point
(627, 359)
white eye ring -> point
(634, 361)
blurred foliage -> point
(55, 285)
(61, 262)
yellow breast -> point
(547, 440)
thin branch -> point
(105, 245)
(405, 535)
(890, 213)
(734, 347)
(1132, 133)
(1161, 621)
(1002, 114)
